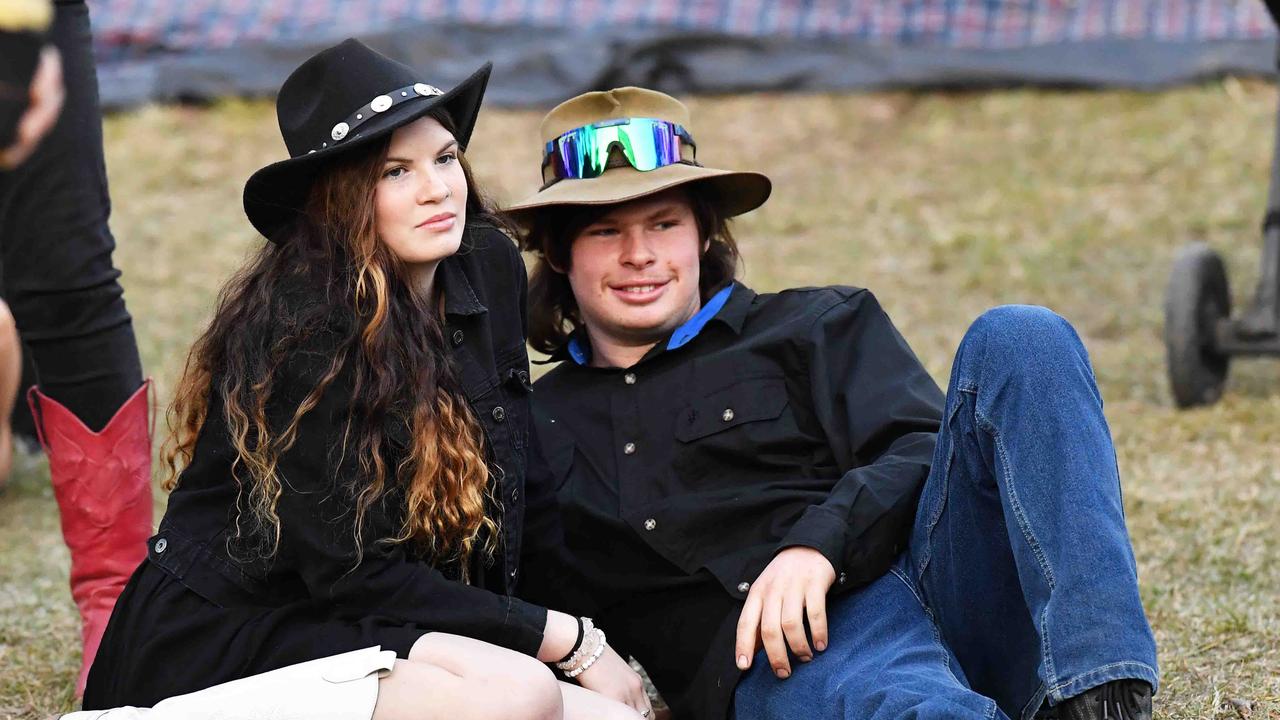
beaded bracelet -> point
(584, 648)
(591, 660)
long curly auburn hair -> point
(330, 274)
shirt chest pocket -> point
(728, 431)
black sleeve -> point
(317, 531)
(548, 576)
(880, 411)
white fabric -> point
(339, 687)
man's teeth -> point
(638, 289)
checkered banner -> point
(133, 28)
(546, 50)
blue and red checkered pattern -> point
(134, 28)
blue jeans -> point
(1019, 583)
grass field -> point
(942, 204)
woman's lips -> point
(439, 223)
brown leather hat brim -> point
(739, 192)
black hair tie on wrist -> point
(582, 631)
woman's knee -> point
(506, 683)
(524, 689)
(541, 695)
(418, 690)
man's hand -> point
(793, 586)
(46, 103)
(614, 678)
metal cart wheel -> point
(1196, 302)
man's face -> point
(634, 272)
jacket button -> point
(161, 545)
(457, 337)
(499, 414)
(513, 573)
(524, 377)
(727, 415)
(629, 378)
(629, 449)
(650, 524)
(841, 580)
(744, 586)
(515, 495)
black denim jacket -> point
(484, 291)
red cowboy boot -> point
(102, 482)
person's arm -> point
(548, 575)
(880, 411)
(317, 532)
(317, 529)
(31, 91)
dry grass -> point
(944, 205)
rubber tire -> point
(1196, 298)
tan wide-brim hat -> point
(737, 191)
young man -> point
(765, 496)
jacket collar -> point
(459, 296)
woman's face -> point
(420, 201)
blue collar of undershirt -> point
(581, 352)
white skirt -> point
(339, 687)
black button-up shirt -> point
(793, 419)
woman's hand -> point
(614, 678)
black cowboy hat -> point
(343, 98)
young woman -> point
(348, 461)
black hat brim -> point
(275, 194)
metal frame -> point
(1257, 330)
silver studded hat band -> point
(375, 107)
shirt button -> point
(515, 495)
(842, 578)
(161, 545)
(629, 378)
(727, 415)
(744, 586)
(499, 414)
(650, 524)
(513, 573)
(457, 337)
(629, 449)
